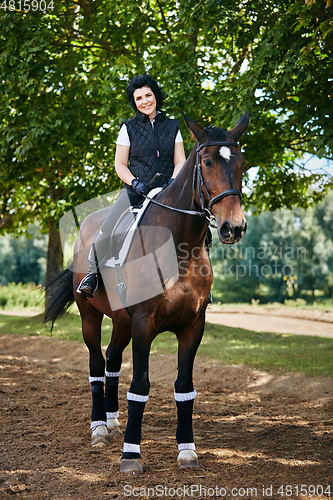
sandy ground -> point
(275, 320)
(258, 435)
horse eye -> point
(207, 163)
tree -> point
(49, 126)
(284, 255)
(23, 258)
(64, 73)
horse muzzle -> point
(231, 232)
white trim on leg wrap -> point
(96, 423)
(131, 448)
(137, 397)
(115, 414)
(186, 446)
(112, 374)
(185, 396)
(97, 379)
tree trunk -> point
(55, 255)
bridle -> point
(198, 185)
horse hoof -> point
(114, 427)
(100, 437)
(187, 458)
(131, 465)
(115, 432)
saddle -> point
(124, 231)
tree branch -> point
(87, 7)
(240, 61)
(164, 20)
(161, 35)
(5, 222)
(247, 167)
(104, 46)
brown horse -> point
(209, 185)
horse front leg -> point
(188, 343)
(137, 397)
(121, 336)
(91, 330)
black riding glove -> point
(140, 188)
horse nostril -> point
(229, 231)
(226, 230)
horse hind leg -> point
(121, 336)
(91, 330)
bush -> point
(19, 296)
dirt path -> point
(274, 322)
(255, 432)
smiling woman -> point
(145, 102)
(148, 144)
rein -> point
(198, 184)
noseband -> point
(199, 183)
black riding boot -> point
(97, 252)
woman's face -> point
(145, 101)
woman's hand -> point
(140, 188)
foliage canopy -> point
(64, 73)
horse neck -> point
(180, 195)
(180, 192)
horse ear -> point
(240, 126)
(197, 132)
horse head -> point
(217, 177)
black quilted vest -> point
(152, 148)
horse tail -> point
(59, 295)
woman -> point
(148, 144)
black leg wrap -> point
(130, 455)
(111, 394)
(184, 433)
(133, 429)
(98, 410)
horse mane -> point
(216, 134)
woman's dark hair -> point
(140, 81)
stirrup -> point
(90, 289)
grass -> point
(66, 328)
(309, 355)
(325, 305)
